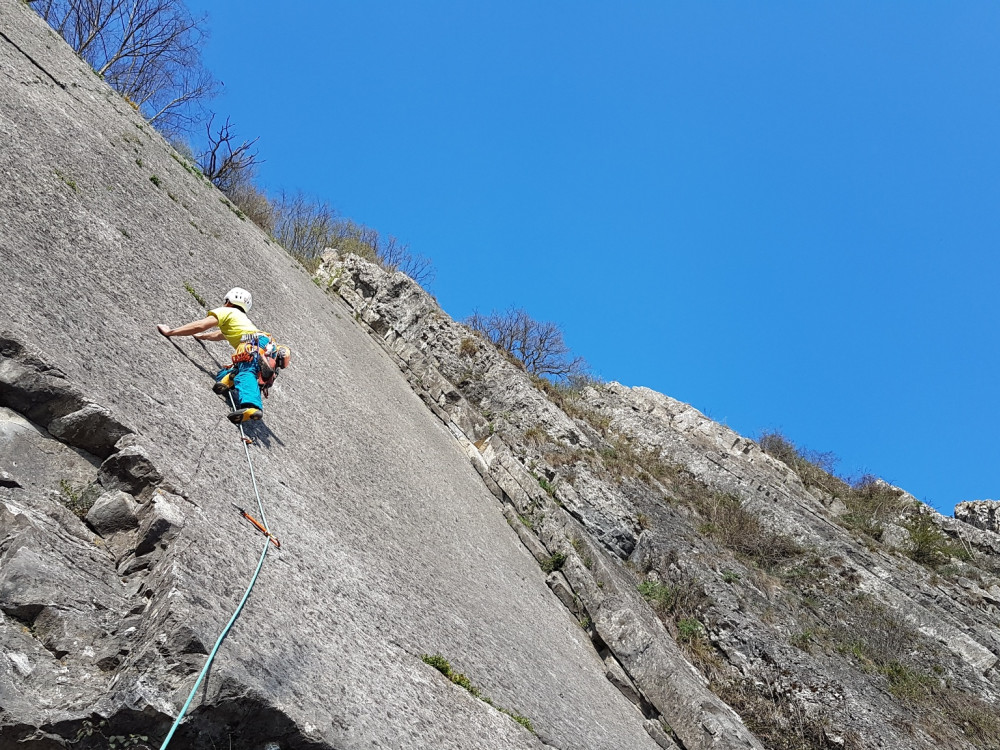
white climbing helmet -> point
(241, 298)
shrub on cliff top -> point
(149, 51)
(538, 345)
(815, 469)
(306, 227)
(870, 501)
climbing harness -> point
(265, 529)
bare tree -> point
(396, 256)
(227, 165)
(306, 227)
(148, 50)
(538, 345)
(252, 201)
(303, 226)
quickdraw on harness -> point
(270, 357)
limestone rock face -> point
(112, 512)
(605, 563)
(393, 546)
(983, 514)
(803, 619)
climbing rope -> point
(246, 595)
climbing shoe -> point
(245, 415)
(223, 385)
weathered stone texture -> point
(983, 514)
(392, 545)
(418, 479)
(951, 621)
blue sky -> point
(784, 214)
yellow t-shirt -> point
(233, 323)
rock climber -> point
(256, 357)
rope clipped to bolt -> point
(268, 541)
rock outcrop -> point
(820, 631)
(608, 566)
(392, 546)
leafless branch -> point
(148, 50)
(537, 344)
(307, 227)
(227, 165)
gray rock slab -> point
(391, 545)
(659, 735)
(40, 396)
(129, 470)
(618, 677)
(91, 428)
(644, 520)
(557, 582)
(983, 514)
(112, 512)
(38, 461)
(162, 521)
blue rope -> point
(239, 608)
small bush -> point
(554, 562)
(468, 347)
(307, 227)
(546, 485)
(77, 499)
(254, 204)
(444, 667)
(802, 640)
(881, 641)
(232, 207)
(814, 469)
(907, 683)
(870, 503)
(774, 717)
(439, 663)
(567, 396)
(524, 721)
(929, 545)
(689, 629)
(660, 595)
(621, 458)
(733, 526)
(675, 600)
(538, 345)
(69, 181)
(156, 181)
(977, 719)
(536, 435)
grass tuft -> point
(197, 297)
(554, 562)
(443, 666)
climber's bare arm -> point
(210, 336)
(189, 329)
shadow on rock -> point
(261, 434)
(205, 369)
